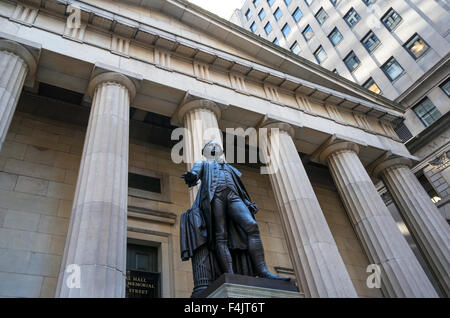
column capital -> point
(270, 123)
(105, 73)
(333, 147)
(197, 103)
(28, 51)
(387, 161)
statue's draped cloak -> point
(196, 224)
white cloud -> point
(223, 8)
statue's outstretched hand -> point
(190, 178)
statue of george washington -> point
(220, 232)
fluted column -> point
(401, 273)
(96, 239)
(200, 117)
(315, 256)
(16, 63)
(426, 224)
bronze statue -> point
(220, 232)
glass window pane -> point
(261, 14)
(446, 87)
(416, 46)
(351, 61)
(268, 28)
(370, 42)
(287, 2)
(427, 112)
(277, 14)
(308, 2)
(308, 33)
(372, 86)
(321, 16)
(320, 54)
(270, 2)
(334, 2)
(352, 17)
(286, 30)
(248, 14)
(253, 27)
(275, 41)
(255, 3)
(297, 15)
(392, 69)
(335, 36)
(295, 48)
(391, 19)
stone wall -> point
(38, 172)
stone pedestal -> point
(239, 286)
(427, 225)
(16, 63)
(401, 273)
(96, 239)
(315, 257)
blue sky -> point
(223, 8)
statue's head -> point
(212, 150)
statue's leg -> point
(241, 215)
(218, 209)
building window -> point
(392, 69)
(309, 2)
(335, 71)
(369, 2)
(295, 48)
(287, 2)
(277, 14)
(142, 265)
(321, 16)
(416, 46)
(308, 33)
(275, 41)
(427, 112)
(403, 132)
(248, 14)
(145, 183)
(286, 30)
(320, 54)
(335, 2)
(253, 27)
(352, 61)
(297, 15)
(428, 187)
(255, 3)
(370, 42)
(262, 14)
(372, 86)
(270, 2)
(446, 86)
(268, 28)
(352, 17)
(391, 19)
(335, 37)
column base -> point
(240, 286)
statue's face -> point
(212, 150)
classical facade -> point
(397, 48)
(91, 94)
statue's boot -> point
(256, 251)
(224, 257)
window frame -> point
(387, 74)
(301, 14)
(370, 79)
(347, 15)
(427, 112)
(282, 30)
(316, 55)
(366, 37)
(295, 44)
(408, 43)
(271, 28)
(248, 14)
(276, 40)
(274, 13)
(263, 12)
(340, 40)
(321, 10)
(312, 31)
(386, 15)
(253, 25)
(447, 81)
(355, 57)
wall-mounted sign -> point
(142, 284)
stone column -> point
(401, 273)
(315, 256)
(427, 225)
(96, 239)
(16, 63)
(200, 117)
